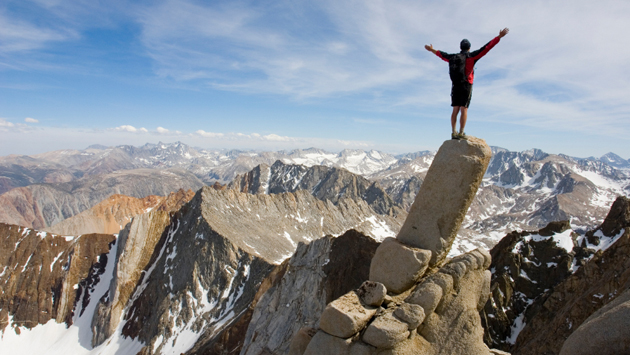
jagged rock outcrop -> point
(546, 283)
(187, 282)
(525, 266)
(136, 245)
(322, 271)
(112, 214)
(43, 275)
(323, 182)
(440, 314)
(445, 196)
(199, 282)
(595, 284)
(43, 205)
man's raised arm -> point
(442, 55)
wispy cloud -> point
(560, 68)
(376, 48)
(18, 35)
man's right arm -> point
(443, 55)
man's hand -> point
(504, 32)
(429, 47)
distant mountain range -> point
(521, 190)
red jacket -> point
(472, 58)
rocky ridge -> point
(323, 182)
(112, 214)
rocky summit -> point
(414, 302)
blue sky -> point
(297, 74)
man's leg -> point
(462, 119)
(454, 117)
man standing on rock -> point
(462, 71)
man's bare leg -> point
(454, 117)
(462, 119)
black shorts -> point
(461, 94)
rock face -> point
(605, 332)
(322, 271)
(112, 214)
(440, 315)
(526, 265)
(595, 284)
(325, 183)
(133, 255)
(277, 223)
(445, 195)
(43, 205)
(188, 281)
(43, 275)
(546, 283)
(197, 282)
(398, 266)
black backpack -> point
(457, 68)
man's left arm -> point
(476, 55)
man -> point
(462, 72)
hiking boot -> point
(454, 135)
(462, 136)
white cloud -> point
(208, 134)
(275, 137)
(162, 130)
(31, 120)
(5, 123)
(131, 129)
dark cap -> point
(464, 44)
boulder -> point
(300, 341)
(372, 293)
(426, 295)
(386, 331)
(360, 348)
(445, 196)
(410, 313)
(345, 316)
(605, 332)
(323, 343)
(398, 266)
